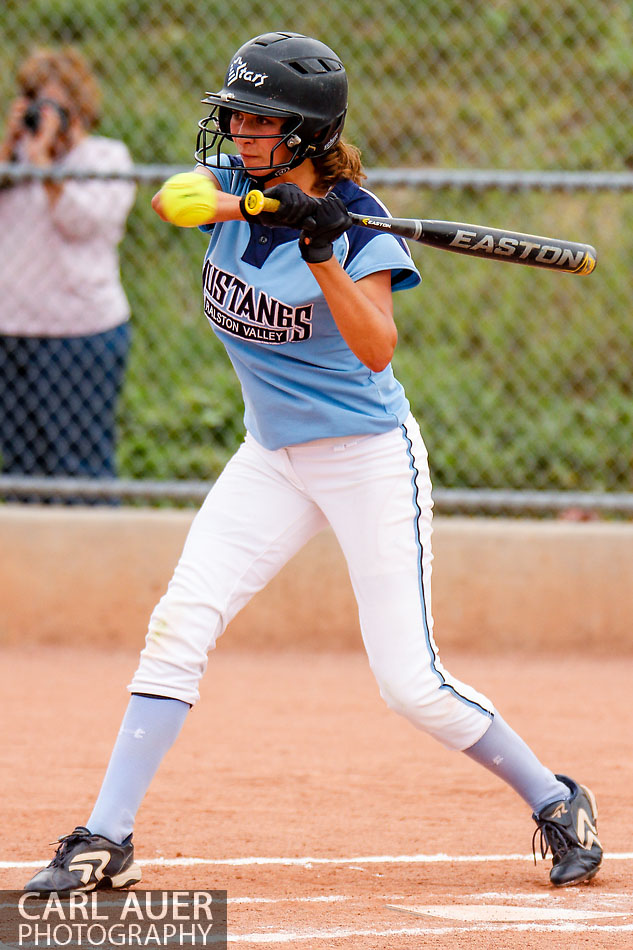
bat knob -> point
(254, 202)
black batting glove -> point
(320, 231)
(294, 207)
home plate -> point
(501, 912)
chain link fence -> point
(503, 113)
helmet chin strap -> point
(277, 172)
(274, 173)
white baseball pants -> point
(375, 492)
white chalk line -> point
(309, 862)
(553, 896)
(505, 913)
(557, 924)
(616, 899)
(341, 933)
(319, 899)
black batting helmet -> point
(280, 74)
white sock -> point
(503, 752)
(149, 728)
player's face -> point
(255, 137)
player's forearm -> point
(228, 208)
(361, 310)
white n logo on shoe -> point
(586, 830)
(90, 863)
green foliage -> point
(502, 83)
(520, 378)
(181, 415)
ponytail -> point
(342, 161)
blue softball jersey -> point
(300, 381)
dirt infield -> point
(293, 758)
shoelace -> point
(553, 838)
(65, 842)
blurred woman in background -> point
(64, 333)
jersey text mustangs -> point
(238, 308)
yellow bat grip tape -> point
(255, 202)
(586, 266)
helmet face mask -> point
(286, 75)
(214, 132)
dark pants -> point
(58, 399)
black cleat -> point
(84, 862)
(568, 829)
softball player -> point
(303, 305)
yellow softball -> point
(188, 199)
